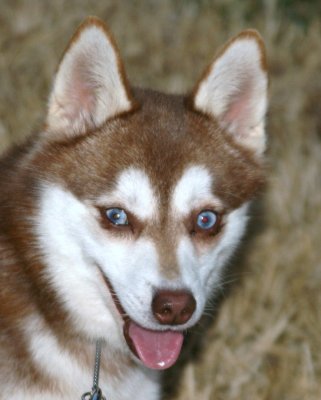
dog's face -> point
(142, 197)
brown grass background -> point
(265, 342)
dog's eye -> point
(206, 220)
(117, 216)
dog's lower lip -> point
(122, 313)
(128, 338)
(114, 297)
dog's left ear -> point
(233, 90)
(90, 85)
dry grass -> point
(266, 341)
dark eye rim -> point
(195, 230)
(134, 225)
(107, 223)
(116, 208)
(203, 212)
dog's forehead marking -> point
(193, 189)
(135, 192)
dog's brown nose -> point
(173, 307)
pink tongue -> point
(156, 349)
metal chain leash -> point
(96, 393)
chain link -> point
(96, 393)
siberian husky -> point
(118, 217)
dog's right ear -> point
(233, 91)
(90, 85)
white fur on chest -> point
(72, 378)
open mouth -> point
(155, 349)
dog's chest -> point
(66, 374)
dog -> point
(118, 217)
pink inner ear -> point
(80, 93)
(238, 113)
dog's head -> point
(143, 196)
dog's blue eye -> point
(117, 216)
(206, 219)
